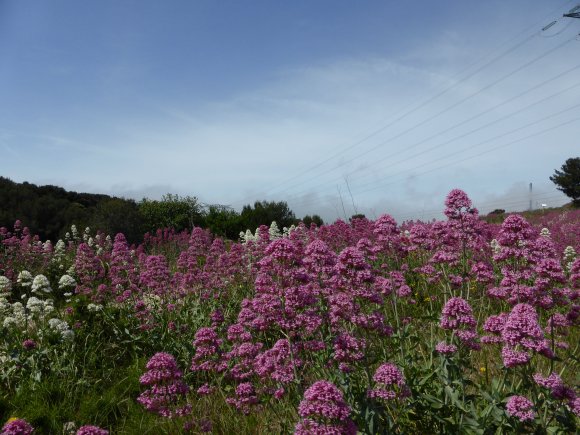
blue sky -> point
(333, 106)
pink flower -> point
(17, 427)
(166, 394)
(445, 349)
(390, 383)
(91, 430)
(323, 410)
(520, 408)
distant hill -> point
(498, 216)
(49, 211)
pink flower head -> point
(29, 344)
(456, 203)
(456, 314)
(91, 430)
(245, 398)
(390, 383)
(445, 349)
(166, 394)
(520, 408)
(323, 410)
(17, 427)
(522, 329)
(207, 351)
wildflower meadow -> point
(457, 326)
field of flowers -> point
(455, 326)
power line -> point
(500, 136)
(463, 135)
(476, 155)
(448, 108)
(429, 100)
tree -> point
(172, 211)
(266, 212)
(314, 219)
(568, 179)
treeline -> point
(49, 211)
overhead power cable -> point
(463, 135)
(381, 186)
(424, 103)
(448, 108)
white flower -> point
(24, 278)
(47, 246)
(9, 322)
(41, 283)
(545, 232)
(90, 242)
(62, 328)
(495, 246)
(569, 253)
(34, 305)
(68, 335)
(66, 281)
(60, 247)
(5, 286)
(74, 231)
(274, 231)
(37, 306)
(93, 308)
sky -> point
(337, 107)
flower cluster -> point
(323, 410)
(166, 393)
(389, 383)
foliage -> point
(265, 212)
(568, 179)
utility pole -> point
(530, 197)
(573, 13)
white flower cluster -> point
(62, 328)
(24, 278)
(59, 248)
(87, 235)
(274, 232)
(569, 256)
(545, 232)
(47, 247)
(495, 247)
(66, 282)
(248, 236)
(5, 286)
(41, 284)
(94, 308)
(38, 307)
(14, 315)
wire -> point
(502, 118)
(473, 156)
(524, 127)
(447, 109)
(427, 101)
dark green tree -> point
(568, 179)
(116, 215)
(172, 211)
(264, 213)
(314, 219)
(223, 221)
